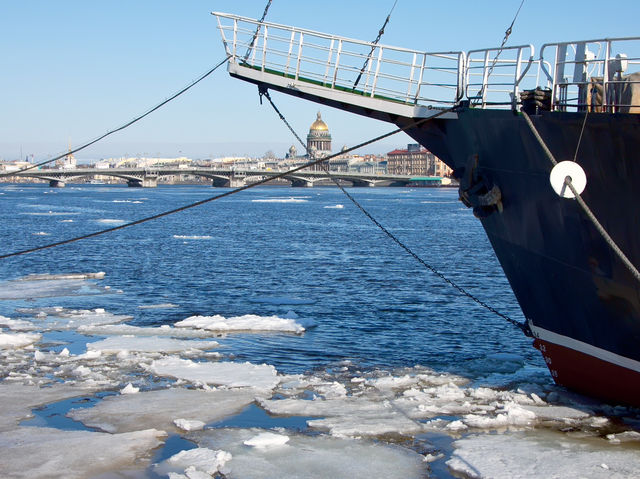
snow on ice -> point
(249, 322)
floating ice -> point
(110, 221)
(18, 400)
(289, 199)
(541, 454)
(235, 375)
(267, 439)
(18, 340)
(61, 319)
(17, 324)
(46, 276)
(159, 409)
(317, 457)
(157, 344)
(193, 237)
(127, 329)
(158, 306)
(189, 425)
(248, 322)
(43, 286)
(129, 389)
(36, 452)
(200, 460)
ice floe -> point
(158, 306)
(289, 199)
(160, 408)
(237, 375)
(156, 344)
(541, 454)
(248, 322)
(17, 340)
(36, 452)
(65, 319)
(29, 287)
(193, 237)
(195, 463)
(305, 457)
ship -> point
(502, 118)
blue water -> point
(372, 303)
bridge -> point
(229, 177)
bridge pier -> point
(143, 183)
(233, 181)
(57, 184)
(301, 183)
(362, 183)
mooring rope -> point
(126, 125)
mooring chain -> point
(255, 35)
(507, 34)
(524, 327)
(373, 45)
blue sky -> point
(72, 70)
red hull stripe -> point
(587, 349)
(591, 376)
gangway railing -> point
(401, 75)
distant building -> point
(318, 139)
(416, 161)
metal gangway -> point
(383, 79)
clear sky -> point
(73, 69)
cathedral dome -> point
(318, 125)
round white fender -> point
(566, 169)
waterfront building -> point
(415, 160)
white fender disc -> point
(569, 169)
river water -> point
(369, 309)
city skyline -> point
(74, 70)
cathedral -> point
(318, 139)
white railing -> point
(591, 74)
(379, 71)
(578, 74)
(495, 77)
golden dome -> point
(319, 125)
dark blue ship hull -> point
(582, 303)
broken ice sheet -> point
(18, 400)
(58, 318)
(150, 344)
(542, 453)
(312, 457)
(159, 409)
(195, 463)
(289, 323)
(43, 452)
(259, 376)
(45, 286)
